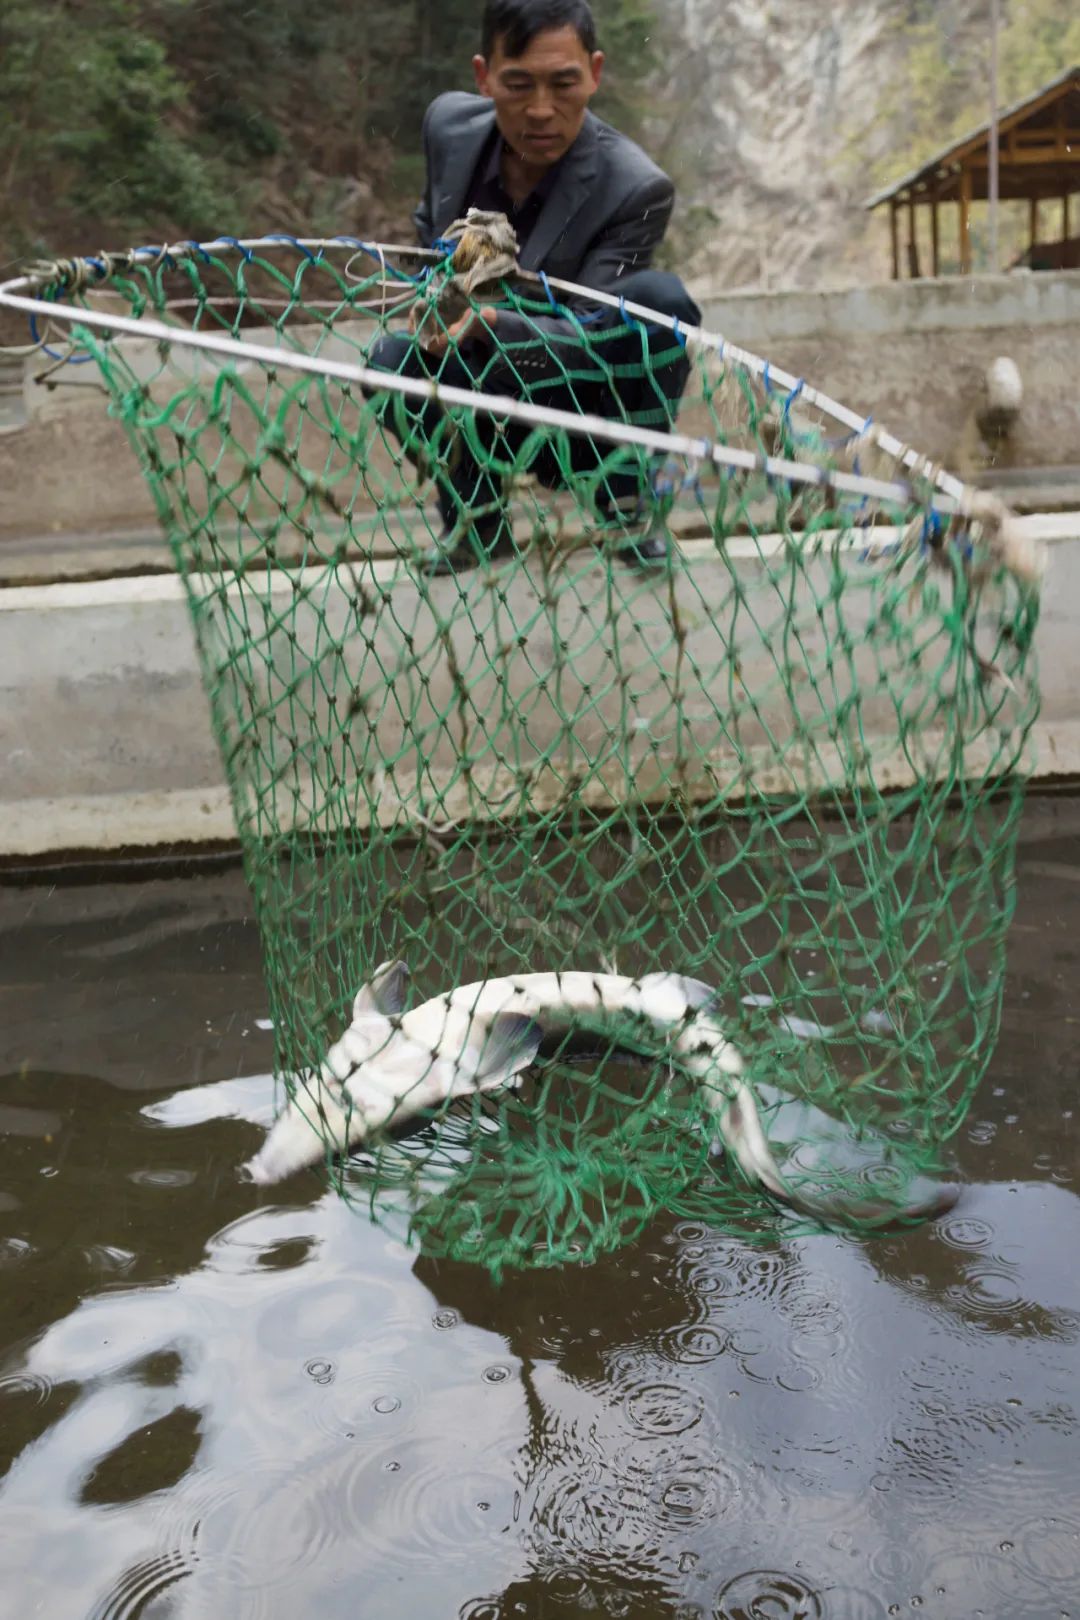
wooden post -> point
(1064, 221)
(992, 174)
(912, 240)
(893, 212)
(1033, 221)
(935, 239)
(965, 222)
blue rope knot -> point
(552, 300)
(792, 397)
(239, 246)
(380, 258)
(283, 236)
(54, 354)
(161, 255)
(680, 335)
(933, 532)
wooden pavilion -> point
(1038, 160)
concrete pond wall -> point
(913, 354)
(105, 736)
(106, 742)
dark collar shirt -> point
(486, 191)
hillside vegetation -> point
(136, 120)
(127, 120)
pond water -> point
(214, 1401)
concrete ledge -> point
(912, 353)
(105, 736)
(897, 308)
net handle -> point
(582, 425)
(775, 377)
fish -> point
(391, 1065)
(823, 1168)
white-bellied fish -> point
(391, 1066)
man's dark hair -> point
(516, 23)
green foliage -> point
(629, 35)
(1041, 40)
(945, 88)
(147, 118)
(92, 114)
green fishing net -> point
(788, 760)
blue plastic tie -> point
(932, 530)
(792, 397)
(239, 246)
(159, 251)
(198, 248)
(54, 354)
(552, 300)
(283, 236)
(680, 335)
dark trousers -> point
(613, 366)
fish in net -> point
(785, 763)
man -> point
(587, 206)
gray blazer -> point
(606, 214)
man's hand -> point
(475, 323)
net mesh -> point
(787, 758)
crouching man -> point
(588, 206)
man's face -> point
(541, 97)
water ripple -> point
(765, 1594)
(696, 1344)
(140, 1587)
(964, 1232)
(1048, 1550)
(268, 1533)
(397, 1501)
(14, 1252)
(350, 1404)
(33, 1387)
(687, 1488)
(662, 1409)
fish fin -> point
(385, 991)
(697, 994)
(513, 1040)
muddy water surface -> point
(215, 1403)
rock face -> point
(778, 120)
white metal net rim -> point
(950, 496)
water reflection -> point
(212, 1404)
